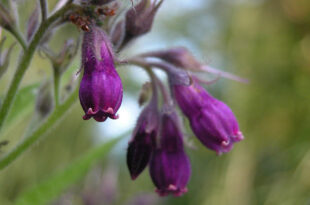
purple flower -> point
(169, 165)
(100, 2)
(101, 88)
(141, 146)
(211, 120)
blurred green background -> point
(267, 42)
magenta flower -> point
(211, 120)
(101, 88)
(144, 137)
(169, 165)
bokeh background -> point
(265, 41)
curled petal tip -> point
(109, 110)
(91, 112)
(172, 187)
(180, 192)
(225, 143)
(114, 117)
(239, 136)
(86, 117)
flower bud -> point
(145, 93)
(182, 58)
(117, 34)
(144, 136)
(178, 56)
(33, 23)
(6, 20)
(4, 57)
(211, 120)
(101, 88)
(44, 101)
(139, 19)
(62, 60)
(169, 165)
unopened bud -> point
(44, 102)
(139, 19)
(145, 93)
(178, 56)
(117, 34)
(33, 23)
(6, 20)
(62, 60)
(4, 57)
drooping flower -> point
(100, 2)
(101, 88)
(169, 165)
(211, 120)
(143, 142)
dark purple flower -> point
(100, 2)
(169, 165)
(101, 88)
(211, 120)
(141, 146)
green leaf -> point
(23, 105)
(59, 182)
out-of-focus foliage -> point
(267, 42)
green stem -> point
(43, 5)
(39, 132)
(18, 37)
(56, 88)
(25, 61)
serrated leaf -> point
(56, 184)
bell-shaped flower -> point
(101, 88)
(144, 137)
(211, 120)
(169, 166)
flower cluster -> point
(157, 140)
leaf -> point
(56, 184)
(23, 104)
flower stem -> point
(144, 64)
(39, 132)
(56, 79)
(18, 37)
(43, 5)
(25, 61)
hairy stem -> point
(144, 64)
(25, 61)
(56, 78)
(43, 5)
(39, 132)
(18, 37)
